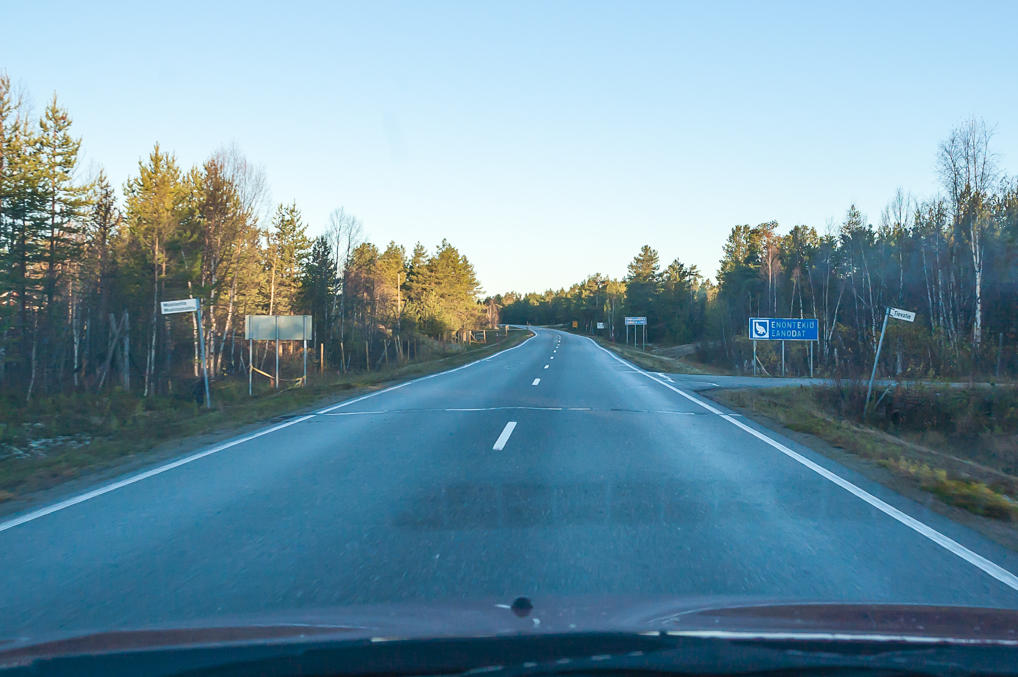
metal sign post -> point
(636, 322)
(277, 328)
(898, 314)
(192, 306)
(204, 361)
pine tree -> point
(391, 273)
(155, 206)
(10, 106)
(318, 286)
(642, 283)
(66, 201)
(288, 248)
(24, 213)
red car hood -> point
(390, 622)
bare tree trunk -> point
(194, 332)
(150, 357)
(76, 338)
(228, 328)
(977, 264)
(35, 343)
(125, 352)
(272, 300)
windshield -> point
(386, 315)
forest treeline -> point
(84, 266)
(949, 257)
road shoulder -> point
(1001, 532)
(179, 446)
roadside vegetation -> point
(85, 264)
(960, 444)
(948, 256)
(59, 437)
(659, 359)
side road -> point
(967, 476)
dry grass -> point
(975, 497)
(66, 437)
(946, 470)
(656, 362)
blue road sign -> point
(783, 329)
(636, 320)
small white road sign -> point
(899, 314)
(179, 306)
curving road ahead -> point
(550, 469)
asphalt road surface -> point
(550, 469)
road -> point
(551, 469)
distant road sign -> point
(282, 327)
(783, 329)
(636, 320)
(600, 325)
(899, 314)
(179, 306)
(575, 324)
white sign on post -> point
(281, 327)
(192, 306)
(899, 314)
(600, 325)
(179, 306)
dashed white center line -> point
(552, 357)
(536, 381)
(504, 437)
(546, 366)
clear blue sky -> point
(547, 140)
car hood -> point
(683, 617)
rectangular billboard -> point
(283, 327)
(783, 329)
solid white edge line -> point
(105, 489)
(504, 436)
(954, 547)
(536, 381)
(81, 498)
